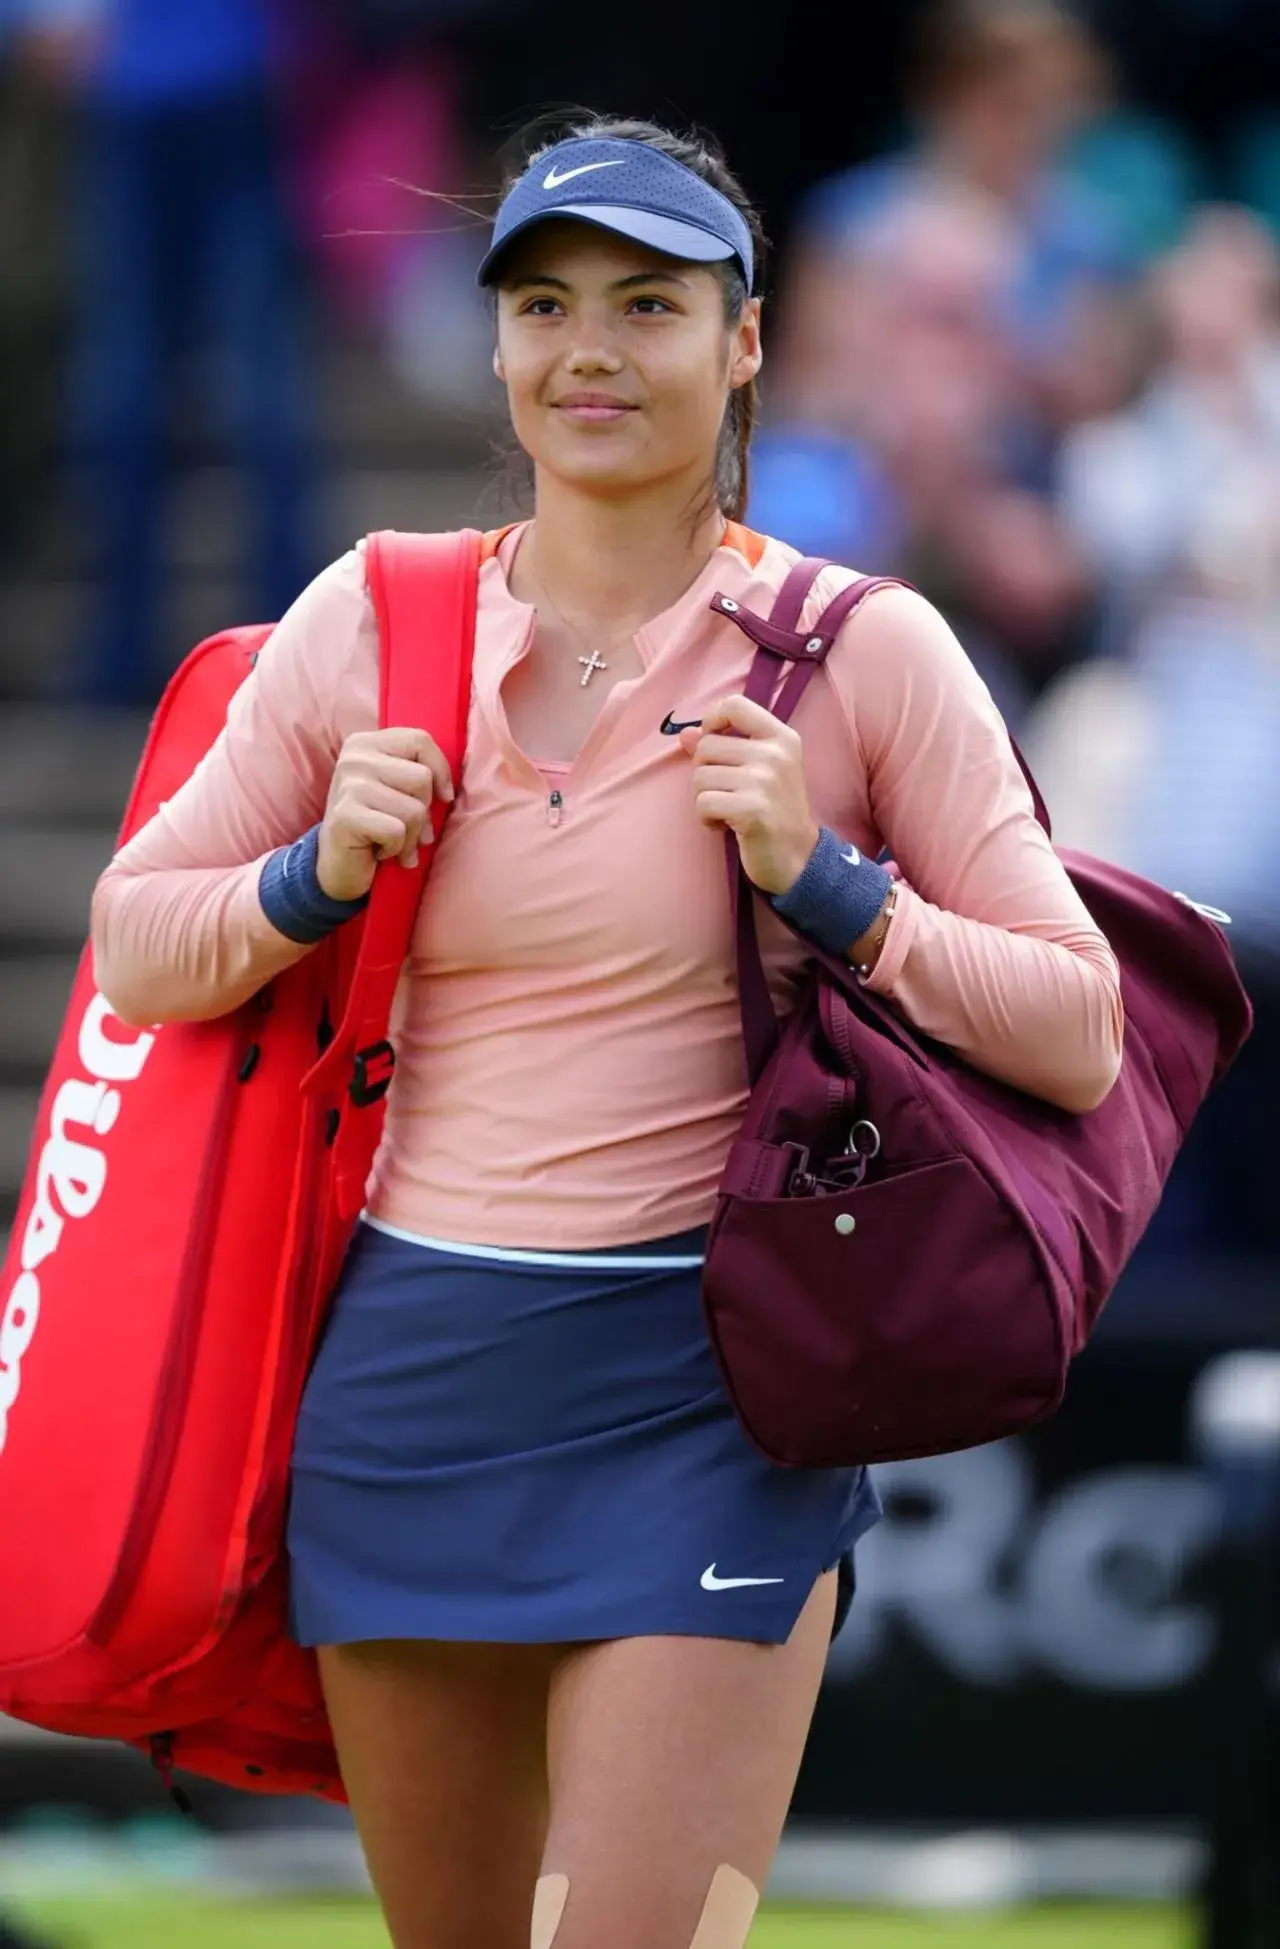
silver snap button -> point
(845, 1224)
(728, 604)
(814, 645)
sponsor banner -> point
(1036, 1629)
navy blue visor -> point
(628, 188)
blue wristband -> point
(837, 896)
(292, 898)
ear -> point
(747, 354)
(498, 371)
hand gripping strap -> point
(423, 589)
(780, 643)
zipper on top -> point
(555, 808)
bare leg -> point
(443, 1754)
(672, 1765)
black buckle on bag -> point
(371, 1074)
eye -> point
(541, 308)
(651, 307)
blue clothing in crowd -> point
(183, 244)
(160, 50)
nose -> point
(593, 353)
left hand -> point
(754, 784)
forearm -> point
(193, 945)
(184, 945)
(1038, 1009)
(1042, 1013)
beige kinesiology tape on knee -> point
(549, 1898)
(728, 1912)
(725, 1923)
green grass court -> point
(191, 1924)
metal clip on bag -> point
(906, 1254)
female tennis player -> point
(571, 1625)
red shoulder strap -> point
(423, 589)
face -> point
(1013, 117)
(618, 362)
(1215, 292)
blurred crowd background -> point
(1023, 349)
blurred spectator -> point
(381, 159)
(32, 279)
(1161, 753)
(1164, 759)
(1000, 87)
(826, 495)
(1130, 163)
(1139, 490)
(181, 241)
(929, 396)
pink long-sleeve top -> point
(570, 1070)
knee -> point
(724, 1923)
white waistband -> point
(590, 1261)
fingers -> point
(745, 716)
(389, 837)
(402, 741)
(750, 788)
(725, 809)
(381, 753)
(403, 821)
(712, 749)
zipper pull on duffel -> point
(162, 1760)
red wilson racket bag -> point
(190, 1195)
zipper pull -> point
(162, 1759)
(555, 808)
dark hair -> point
(702, 154)
(960, 42)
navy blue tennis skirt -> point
(539, 1449)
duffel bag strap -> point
(778, 642)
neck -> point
(613, 565)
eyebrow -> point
(619, 284)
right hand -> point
(379, 799)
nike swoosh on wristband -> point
(710, 1581)
(552, 181)
(853, 856)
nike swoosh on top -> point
(710, 1581)
(552, 181)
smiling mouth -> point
(594, 409)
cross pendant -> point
(591, 664)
